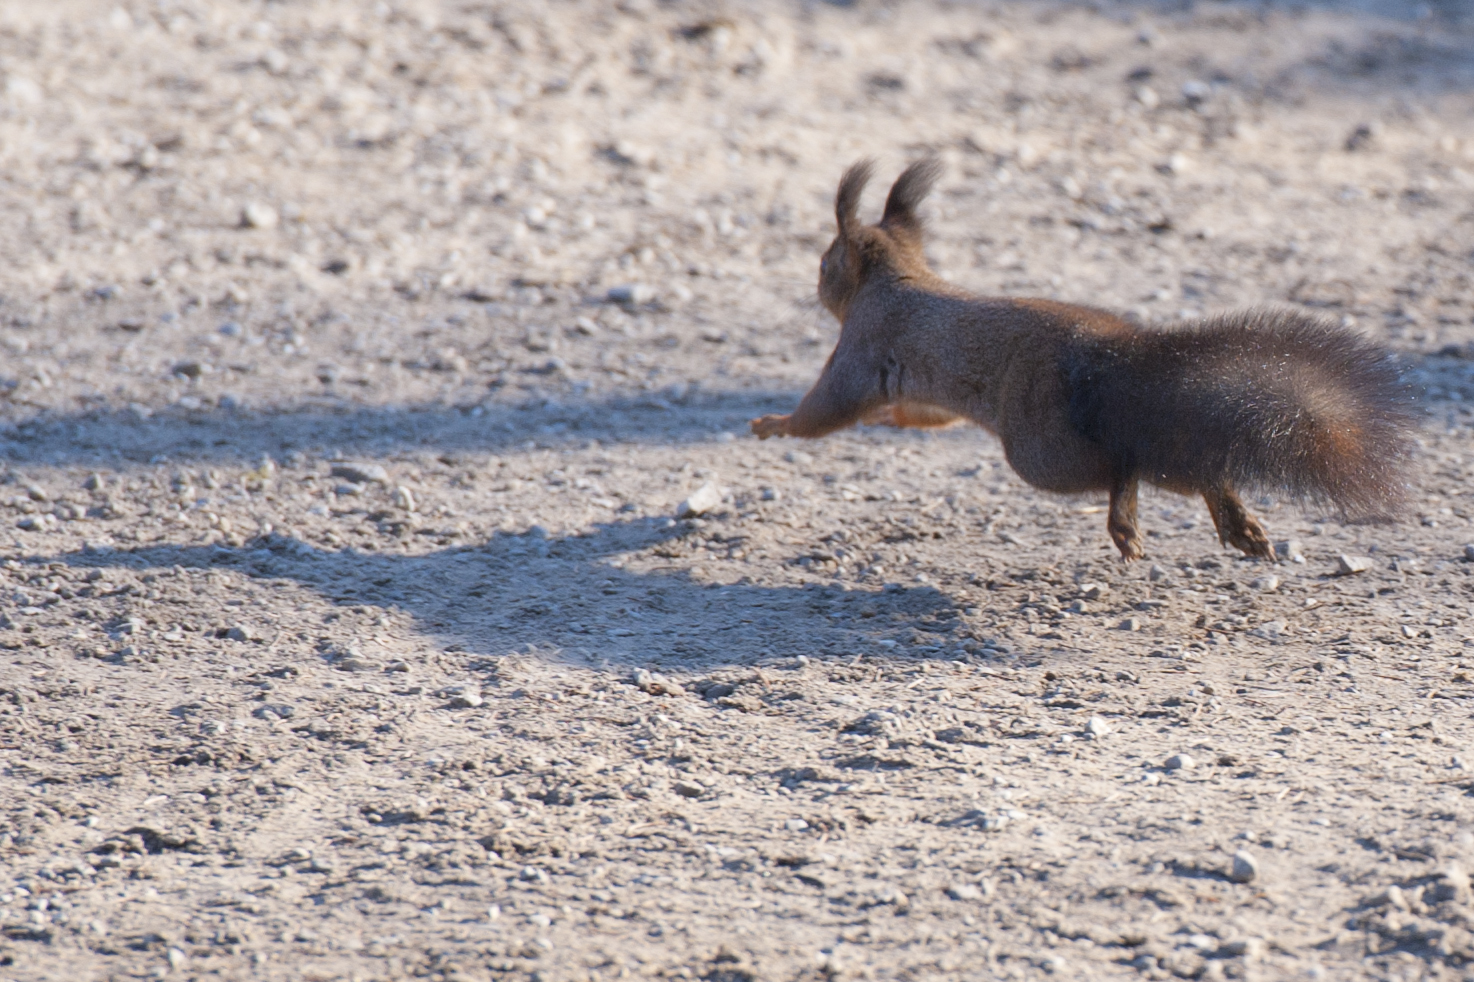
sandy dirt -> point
(358, 358)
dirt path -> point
(359, 357)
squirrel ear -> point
(908, 192)
(847, 201)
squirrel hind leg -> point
(910, 414)
(1121, 522)
(1236, 527)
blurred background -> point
(216, 204)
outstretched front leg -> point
(1236, 527)
(845, 392)
(1121, 522)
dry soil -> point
(358, 357)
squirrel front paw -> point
(770, 425)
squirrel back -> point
(1084, 400)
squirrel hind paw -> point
(1131, 551)
(1251, 540)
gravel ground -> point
(359, 358)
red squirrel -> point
(1084, 400)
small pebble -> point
(631, 293)
(1452, 885)
(259, 215)
(1248, 948)
(1469, 552)
(361, 473)
(800, 457)
(1093, 591)
(964, 891)
(1157, 574)
(1131, 624)
(656, 685)
(240, 632)
(1180, 762)
(467, 700)
(1097, 727)
(1289, 550)
(701, 501)
(1272, 629)
(1265, 584)
(1195, 92)
(404, 498)
(1245, 867)
(1349, 565)
(795, 825)
(1361, 137)
(1394, 897)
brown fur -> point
(1083, 400)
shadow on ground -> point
(115, 437)
(571, 598)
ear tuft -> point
(910, 189)
(847, 201)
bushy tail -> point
(1265, 399)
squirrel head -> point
(893, 248)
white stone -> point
(361, 473)
(259, 215)
(1245, 867)
(1289, 549)
(631, 293)
(701, 501)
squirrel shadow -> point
(120, 437)
(569, 599)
